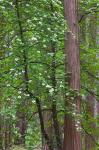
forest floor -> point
(20, 148)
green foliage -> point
(43, 26)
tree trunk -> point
(72, 139)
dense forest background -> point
(49, 74)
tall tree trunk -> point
(72, 138)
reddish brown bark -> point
(72, 139)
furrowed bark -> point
(72, 138)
